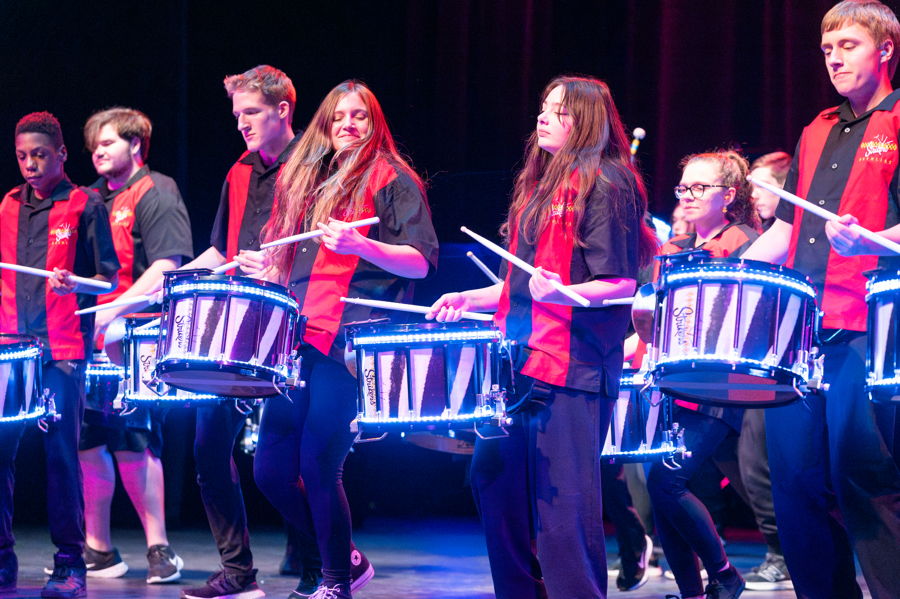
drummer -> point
(344, 168)
(50, 224)
(715, 197)
(836, 487)
(152, 232)
(577, 215)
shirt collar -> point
(845, 112)
(60, 193)
(687, 242)
(255, 160)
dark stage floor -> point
(413, 559)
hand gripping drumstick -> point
(526, 267)
(826, 214)
(297, 238)
(138, 299)
(47, 274)
(484, 269)
(409, 308)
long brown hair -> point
(311, 188)
(733, 168)
(597, 137)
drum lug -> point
(51, 414)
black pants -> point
(835, 484)
(65, 486)
(220, 485)
(683, 524)
(620, 509)
(300, 458)
(753, 460)
(542, 482)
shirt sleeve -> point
(405, 219)
(219, 236)
(95, 237)
(785, 210)
(164, 223)
(610, 227)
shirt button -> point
(821, 202)
(812, 239)
(293, 284)
(27, 298)
(304, 249)
(515, 303)
(249, 242)
(846, 129)
(257, 210)
(30, 241)
(833, 166)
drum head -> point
(727, 385)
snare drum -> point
(141, 389)
(228, 336)
(103, 384)
(641, 429)
(732, 332)
(883, 348)
(20, 380)
(426, 377)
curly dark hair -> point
(41, 122)
(733, 168)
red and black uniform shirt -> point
(575, 347)
(320, 277)
(846, 164)
(149, 222)
(730, 242)
(246, 203)
(69, 230)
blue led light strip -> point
(888, 285)
(21, 354)
(173, 398)
(423, 337)
(25, 416)
(424, 420)
(95, 370)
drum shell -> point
(640, 424)
(20, 378)
(224, 335)
(732, 333)
(883, 342)
(451, 375)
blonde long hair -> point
(597, 137)
(311, 187)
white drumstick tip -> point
(639, 133)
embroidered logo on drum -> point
(182, 326)
(63, 233)
(683, 321)
(879, 149)
(121, 216)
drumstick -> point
(826, 214)
(622, 301)
(297, 238)
(138, 299)
(47, 274)
(526, 267)
(483, 268)
(409, 308)
(149, 325)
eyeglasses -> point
(697, 190)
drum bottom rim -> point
(235, 376)
(756, 387)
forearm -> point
(401, 260)
(153, 273)
(210, 259)
(773, 245)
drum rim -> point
(206, 276)
(24, 343)
(733, 265)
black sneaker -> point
(9, 571)
(309, 584)
(226, 585)
(361, 571)
(634, 575)
(771, 575)
(101, 564)
(338, 591)
(725, 585)
(165, 564)
(69, 577)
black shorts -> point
(134, 433)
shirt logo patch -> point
(879, 149)
(121, 216)
(63, 233)
(348, 214)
